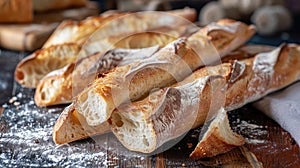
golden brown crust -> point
(264, 74)
(144, 39)
(232, 32)
(134, 23)
(78, 31)
(247, 51)
(71, 126)
(218, 139)
(60, 86)
(55, 89)
(34, 67)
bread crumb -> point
(36, 141)
(189, 145)
(17, 103)
(11, 100)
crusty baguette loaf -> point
(218, 138)
(55, 87)
(16, 11)
(34, 67)
(71, 126)
(60, 86)
(247, 51)
(79, 32)
(233, 33)
(241, 53)
(161, 37)
(137, 39)
(47, 5)
(171, 63)
(138, 22)
(170, 112)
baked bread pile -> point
(149, 88)
(71, 41)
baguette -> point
(34, 67)
(133, 40)
(71, 126)
(171, 63)
(172, 111)
(78, 31)
(218, 138)
(134, 23)
(105, 25)
(243, 52)
(55, 87)
(60, 86)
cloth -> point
(284, 108)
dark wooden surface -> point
(8, 62)
(26, 140)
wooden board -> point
(29, 37)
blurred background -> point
(271, 17)
(26, 24)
